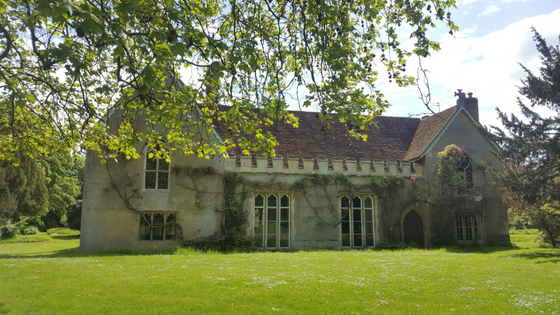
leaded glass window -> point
(357, 222)
(157, 173)
(468, 228)
(465, 167)
(158, 226)
(271, 221)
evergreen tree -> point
(64, 180)
(22, 189)
(530, 147)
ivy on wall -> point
(450, 194)
(234, 216)
(393, 195)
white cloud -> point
(501, 1)
(468, 1)
(489, 10)
(487, 66)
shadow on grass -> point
(473, 249)
(542, 256)
(3, 309)
(75, 252)
(65, 237)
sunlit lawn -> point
(53, 278)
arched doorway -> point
(413, 229)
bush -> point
(238, 241)
(516, 223)
(26, 239)
(29, 230)
(395, 246)
(74, 215)
(544, 240)
(9, 230)
(235, 242)
(54, 219)
(63, 231)
(36, 222)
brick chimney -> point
(469, 103)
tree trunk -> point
(552, 240)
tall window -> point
(357, 222)
(271, 221)
(155, 233)
(465, 166)
(157, 173)
(468, 228)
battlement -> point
(321, 165)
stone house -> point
(323, 189)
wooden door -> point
(413, 229)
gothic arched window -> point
(465, 166)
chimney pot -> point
(470, 104)
(460, 93)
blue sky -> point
(483, 57)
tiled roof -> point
(390, 141)
(427, 131)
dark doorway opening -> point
(413, 229)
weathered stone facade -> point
(296, 200)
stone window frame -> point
(157, 171)
(468, 228)
(348, 210)
(283, 216)
(169, 231)
(465, 165)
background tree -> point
(22, 189)
(64, 181)
(66, 66)
(531, 147)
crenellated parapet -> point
(288, 164)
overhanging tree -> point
(530, 146)
(66, 66)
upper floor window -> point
(156, 173)
(465, 166)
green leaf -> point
(30, 98)
(178, 49)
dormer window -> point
(156, 173)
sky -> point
(483, 57)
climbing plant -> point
(452, 193)
(392, 193)
(393, 197)
(234, 216)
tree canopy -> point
(66, 66)
(530, 145)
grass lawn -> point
(53, 278)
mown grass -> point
(53, 278)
